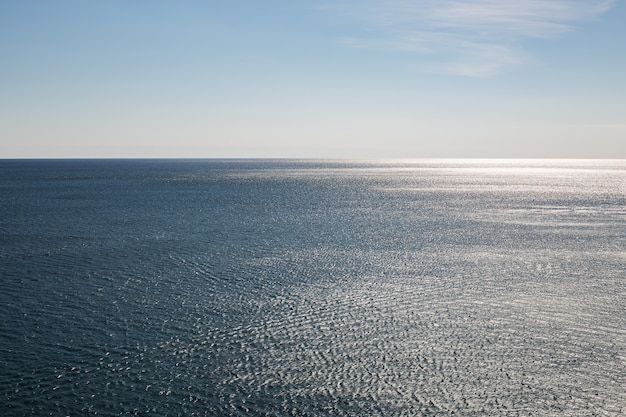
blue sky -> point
(313, 78)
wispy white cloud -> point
(469, 37)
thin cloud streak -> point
(472, 37)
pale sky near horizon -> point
(313, 78)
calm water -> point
(312, 288)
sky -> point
(313, 79)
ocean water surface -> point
(312, 288)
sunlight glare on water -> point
(313, 288)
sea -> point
(312, 287)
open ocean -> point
(312, 288)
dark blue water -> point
(312, 288)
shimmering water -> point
(313, 288)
